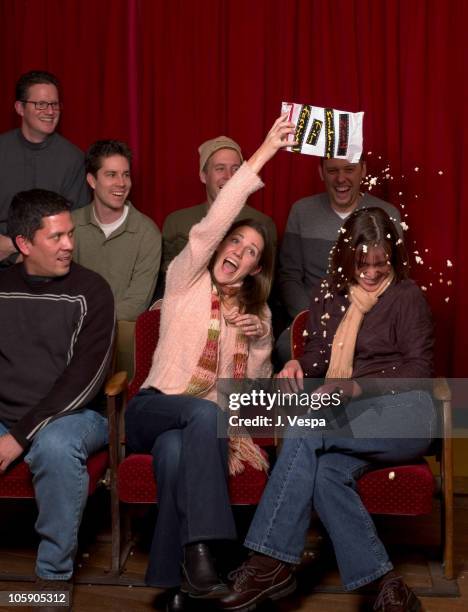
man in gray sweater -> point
(34, 155)
(311, 231)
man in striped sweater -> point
(57, 321)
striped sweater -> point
(55, 345)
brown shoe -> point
(395, 596)
(259, 578)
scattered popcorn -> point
(305, 333)
(447, 299)
(449, 264)
(343, 308)
(423, 288)
(316, 299)
(340, 269)
(315, 365)
(325, 316)
(404, 225)
(416, 169)
(399, 241)
(364, 248)
(369, 153)
(373, 180)
(419, 260)
(389, 236)
(400, 193)
(342, 230)
(441, 172)
(449, 282)
(441, 280)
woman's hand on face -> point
(277, 138)
(291, 377)
(251, 325)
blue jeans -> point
(320, 472)
(57, 459)
(190, 466)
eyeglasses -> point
(43, 105)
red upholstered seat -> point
(17, 482)
(402, 490)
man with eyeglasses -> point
(34, 155)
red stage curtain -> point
(166, 75)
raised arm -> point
(205, 236)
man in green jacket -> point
(114, 239)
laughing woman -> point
(214, 324)
(368, 327)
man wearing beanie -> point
(219, 158)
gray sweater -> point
(311, 231)
(55, 164)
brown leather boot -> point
(395, 596)
(257, 579)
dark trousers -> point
(190, 465)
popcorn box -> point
(325, 132)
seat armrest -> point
(441, 390)
(116, 384)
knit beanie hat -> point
(209, 147)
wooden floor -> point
(411, 542)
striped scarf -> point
(242, 449)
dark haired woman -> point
(369, 325)
(214, 324)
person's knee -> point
(204, 414)
(52, 447)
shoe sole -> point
(289, 587)
(215, 593)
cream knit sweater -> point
(186, 309)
